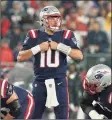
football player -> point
(16, 102)
(97, 98)
(10, 106)
(50, 49)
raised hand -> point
(53, 45)
(44, 46)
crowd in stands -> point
(90, 21)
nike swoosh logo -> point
(59, 83)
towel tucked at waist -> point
(51, 93)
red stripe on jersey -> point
(110, 98)
(67, 34)
(3, 88)
(30, 106)
(67, 98)
(33, 33)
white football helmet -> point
(50, 11)
(97, 78)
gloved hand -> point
(94, 115)
(3, 112)
(102, 116)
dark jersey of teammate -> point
(21, 93)
(6, 90)
(103, 103)
(25, 99)
(50, 64)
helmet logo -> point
(99, 76)
(45, 9)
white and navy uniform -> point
(50, 65)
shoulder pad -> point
(110, 98)
(33, 33)
(67, 34)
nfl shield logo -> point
(50, 85)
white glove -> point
(101, 116)
(94, 115)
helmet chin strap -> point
(54, 28)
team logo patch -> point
(99, 76)
(45, 9)
(50, 85)
(26, 40)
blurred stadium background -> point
(91, 23)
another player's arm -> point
(12, 99)
(110, 101)
(14, 106)
(87, 107)
(86, 103)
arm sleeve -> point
(110, 100)
(9, 90)
(86, 103)
(29, 42)
(6, 89)
(72, 42)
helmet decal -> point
(97, 78)
(50, 18)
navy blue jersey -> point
(50, 64)
(21, 93)
(6, 90)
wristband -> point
(35, 49)
(64, 48)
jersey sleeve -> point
(29, 41)
(71, 40)
(86, 103)
(6, 89)
(110, 100)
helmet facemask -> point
(52, 22)
(91, 88)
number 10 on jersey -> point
(45, 59)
